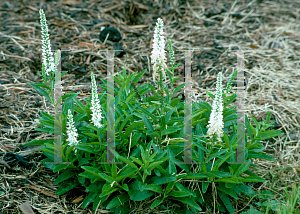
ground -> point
(267, 31)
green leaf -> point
(47, 116)
(253, 179)
(95, 187)
(47, 130)
(117, 201)
(177, 89)
(144, 157)
(227, 191)
(174, 102)
(68, 153)
(149, 114)
(118, 120)
(180, 194)
(41, 91)
(139, 76)
(154, 134)
(86, 148)
(98, 201)
(268, 118)
(60, 167)
(170, 130)
(168, 115)
(36, 142)
(64, 176)
(226, 139)
(242, 168)
(42, 85)
(81, 160)
(175, 79)
(233, 180)
(172, 167)
(114, 172)
(87, 175)
(164, 180)
(79, 118)
(91, 135)
(125, 187)
(245, 189)
(229, 100)
(140, 195)
(222, 160)
(137, 161)
(268, 134)
(226, 202)
(204, 186)
(256, 123)
(260, 156)
(169, 188)
(127, 161)
(124, 123)
(153, 188)
(189, 202)
(95, 172)
(156, 203)
(81, 106)
(250, 128)
(66, 186)
(196, 176)
(130, 128)
(153, 165)
(147, 123)
(88, 199)
(107, 190)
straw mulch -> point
(267, 31)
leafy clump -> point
(150, 162)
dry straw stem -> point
(271, 62)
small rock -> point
(114, 34)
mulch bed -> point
(267, 31)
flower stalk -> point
(71, 130)
(48, 65)
(96, 107)
(158, 57)
(216, 124)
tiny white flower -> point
(112, 183)
(96, 107)
(48, 59)
(158, 57)
(71, 130)
(216, 124)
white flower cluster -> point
(158, 57)
(71, 130)
(48, 59)
(216, 124)
(96, 107)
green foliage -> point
(149, 143)
(150, 167)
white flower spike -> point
(216, 124)
(158, 57)
(48, 59)
(96, 107)
(71, 130)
